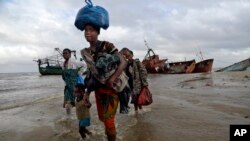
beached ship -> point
(180, 67)
(204, 66)
(240, 66)
(154, 64)
(51, 65)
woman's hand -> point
(110, 82)
(86, 97)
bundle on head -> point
(95, 15)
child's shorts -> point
(84, 122)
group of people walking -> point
(112, 75)
(106, 98)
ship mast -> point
(149, 50)
(201, 55)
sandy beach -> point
(188, 107)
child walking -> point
(82, 110)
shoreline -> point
(192, 109)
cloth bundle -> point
(105, 66)
(90, 14)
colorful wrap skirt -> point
(107, 102)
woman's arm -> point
(143, 73)
(118, 71)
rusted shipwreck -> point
(154, 64)
(203, 66)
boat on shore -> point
(51, 65)
(154, 64)
(180, 67)
(204, 66)
(239, 66)
(50, 70)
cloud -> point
(176, 29)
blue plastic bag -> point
(96, 15)
(80, 79)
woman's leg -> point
(122, 102)
(136, 102)
(126, 96)
(69, 99)
(68, 107)
(110, 129)
(107, 102)
(136, 106)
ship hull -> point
(204, 66)
(159, 66)
(50, 70)
(180, 67)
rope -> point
(89, 2)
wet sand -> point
(197, 107)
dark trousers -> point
(124, 97)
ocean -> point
(19, 89)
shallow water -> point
(26, 89)
(19, 89)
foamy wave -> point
(16, 105)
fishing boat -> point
(239, 66)
(51, 65)
(154, 64)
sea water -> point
(19, 89)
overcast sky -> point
(174, 29)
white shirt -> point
(73, 64)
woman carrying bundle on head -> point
(105, 94)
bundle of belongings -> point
(102, 69)
(95, 15)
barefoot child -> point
(82, 110)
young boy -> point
(82, 110)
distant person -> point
(137, 74)
(82, 110)
(70, 70)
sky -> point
(174, 29)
